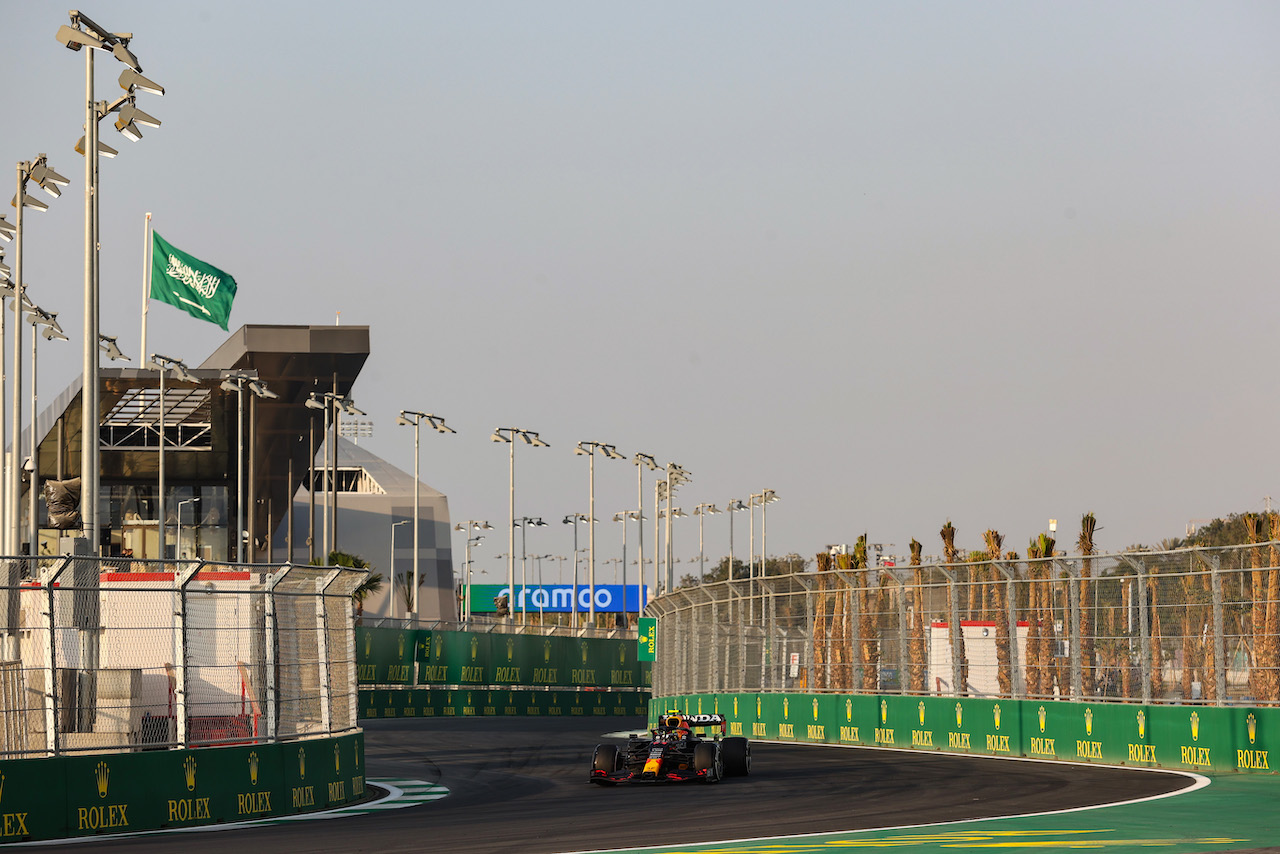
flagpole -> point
(146, 280)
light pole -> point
(405, 418)
(700, 511)
(642, 462)
(50, 181)
(611, 452)
(735, 504)
(676, 475)
(236, 382)
(524, 523)
(333, 405)
(469, 526)
(573, 519)
(624, 517)
(509, 435)
(762, 499)
(47, 321)
(7, 290)
(162, 364)
(85, 33)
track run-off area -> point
(519, 785)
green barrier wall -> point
(1204, 739)
(428, 657)
(383, 703)
(124, 792)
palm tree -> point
(955, 633)
(917, 622)
(1253, 531)
(994, 541)
(1271, 644)
(1088, 524)
(1032, 652)
(821, 663)
(371, 584)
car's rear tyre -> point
(708, 757)
(605, 758)
(735, 752)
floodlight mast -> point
(84, 32)
(412, 417)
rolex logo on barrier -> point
(1040, 713)
(757, 705)
(337, 758)
(735, 707)
(786, 709)
(1195, 726)
(815, 708)
(622, 653)
(253, 768)
(848, 710)
(400, 646)
(546, 651)
(475, 647)
(189, 773)
(959, 715)
(1088, 721)
(1252, 721)
(368, 644)
(583, 645)
(919, 711)
(103, 775)
(511, 649)
(1142, 724)
(302, 762)
(995, 713)
(884, 712)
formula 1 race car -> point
(674, 753)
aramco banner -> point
(558, 598)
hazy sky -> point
(899, 262)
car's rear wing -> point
(706, 721)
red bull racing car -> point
(673, 752)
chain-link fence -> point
(100, 654)
(1188, 626)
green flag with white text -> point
(186, 282)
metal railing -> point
(1187, 626)
(495, 625)
(111, 654)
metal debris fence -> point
(1188, 626)
(111, 655)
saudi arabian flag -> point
(186, 282)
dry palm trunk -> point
(917, 622)
(1209, 668)
(1088, 524)
(1126, 674)
(1157, 640)
(1258, 615)
(954, 633)
(1032, 656)
(1271, 641)
(820, 664)
(999, 606)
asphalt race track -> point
(519, 785)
